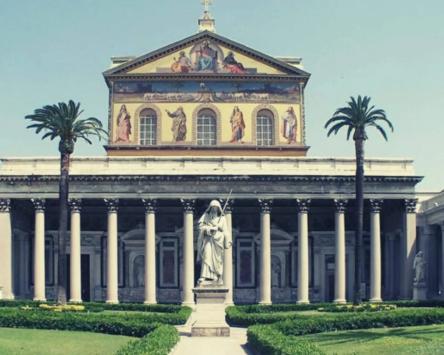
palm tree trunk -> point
(359, 215)
(63, 227)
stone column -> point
(265, 254)
(442, 260)
(39, 250)
(228, 255)
(188, 252)
(6, 276)
(76, 253)
(408, 249)
(112, 271)
(340, 248)
(303, 266)
(375, 251)
(150, 251)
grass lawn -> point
(409, 340)
(51, 342)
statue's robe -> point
(211, 245)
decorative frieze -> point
(265, 205)
(376, 205)
(5, 205)
(188, 205)
(39, 204)
(410, 205)
(340, 205)
(112, 204)
(303, 205)
(150, 205)
(75, 205)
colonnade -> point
(264, 294)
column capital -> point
(112, 204)
(5, 205)
(39, 204)
(340, 205)
(188, 205)
(303, 205)
(227, 204)
(265, 205)
(376, 205)
(75, 204)
(150, 205)
(410, 205)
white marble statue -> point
(211, 243)
(419, 267)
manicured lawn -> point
(409, 340)
(52, 342)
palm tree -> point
(357, 117)
(62, 121)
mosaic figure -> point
(289, 126)
(123, 125)
(179, 127)
(237, 125)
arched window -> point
(206, 127)
(264, 128)
(148, 127)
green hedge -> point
(266, 340)
(347, 321)
(281, 337)
(159, 342)
(100, 306)
(246, 315)
(131, 324)
(236, 315)
(92, 322)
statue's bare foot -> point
(201, 281)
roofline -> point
(169, 48)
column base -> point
(37, 299)
(265, 303)
(148, 303)
(188, 304)
(303, 302)
(340, 301)
(112, 302)
(75, 301)
(375, 300)
(7, 297)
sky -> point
(390, 50)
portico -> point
(292, 229)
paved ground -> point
(235, 344)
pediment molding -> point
(123, 69)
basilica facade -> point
(208, 118)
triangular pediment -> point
(208, 54)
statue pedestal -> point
(210, 312)
(419, 291)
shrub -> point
(281, 337)
(266, 340)
(92, 322)
(122, 323)
(363, 307)
(347, 321)
(60, 308)
(100, 306)
(236, 316)
(159, 342)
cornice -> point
(206, 77)
(30, 179)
